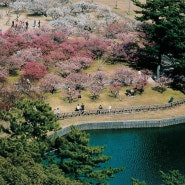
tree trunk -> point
(159, 64)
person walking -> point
(109, 108)
(39, 24)
(27, 25)
(57, 112)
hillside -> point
(97, 49)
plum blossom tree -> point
(111, 30)
(75, 64)
(126, 50)
(97, 83)
(60, 36)
(3, 75)
(6, 2)
(95, 90)
(40, 7)
(71, 94)
(44, 42)
(100, 77)
(124, 75)
(34, 71)
(81, 16)
(115, 88)
(65, 68)
(97, 46)
(50, 82)
(9, 96)
(14, 63)
(13, 42)
(77, 81)
(29, 54)
(162, 83)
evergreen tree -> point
(163, 25)
(137, 182)
(32, 119)
(173, 177)
(83, 162)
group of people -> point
(130, 92)
(80, 108)
(22, 24)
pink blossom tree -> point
(51, 82)
(124, 75)
(77, 81)
(3, 75)
(95, 90)
(34, 71)
(73, 65)
(97, 46)
(115, 88)
(162, 83)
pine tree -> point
(163, 25)
(33, 119)
(82, 162)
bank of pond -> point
(142, 149)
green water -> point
(143, 152)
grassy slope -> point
(148, 97)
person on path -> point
(57, 112)
(34, 23)
(39, 24)
(109, 108)
(82, 108)
(27, 25)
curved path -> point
(160, 118)
(127, 110)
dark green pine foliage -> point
(20, 165)
(137, 182)
(83, 162)
(32, 119)
(173, 177)
(164, 28)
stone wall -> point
(125, 124)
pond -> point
(143, 152)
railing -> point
(126, 110)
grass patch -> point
(149, 97)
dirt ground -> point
(124, 8)
(7, 16)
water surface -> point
(143, 152)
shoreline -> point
(161, 119)
(155, 123)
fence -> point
(126, 110)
